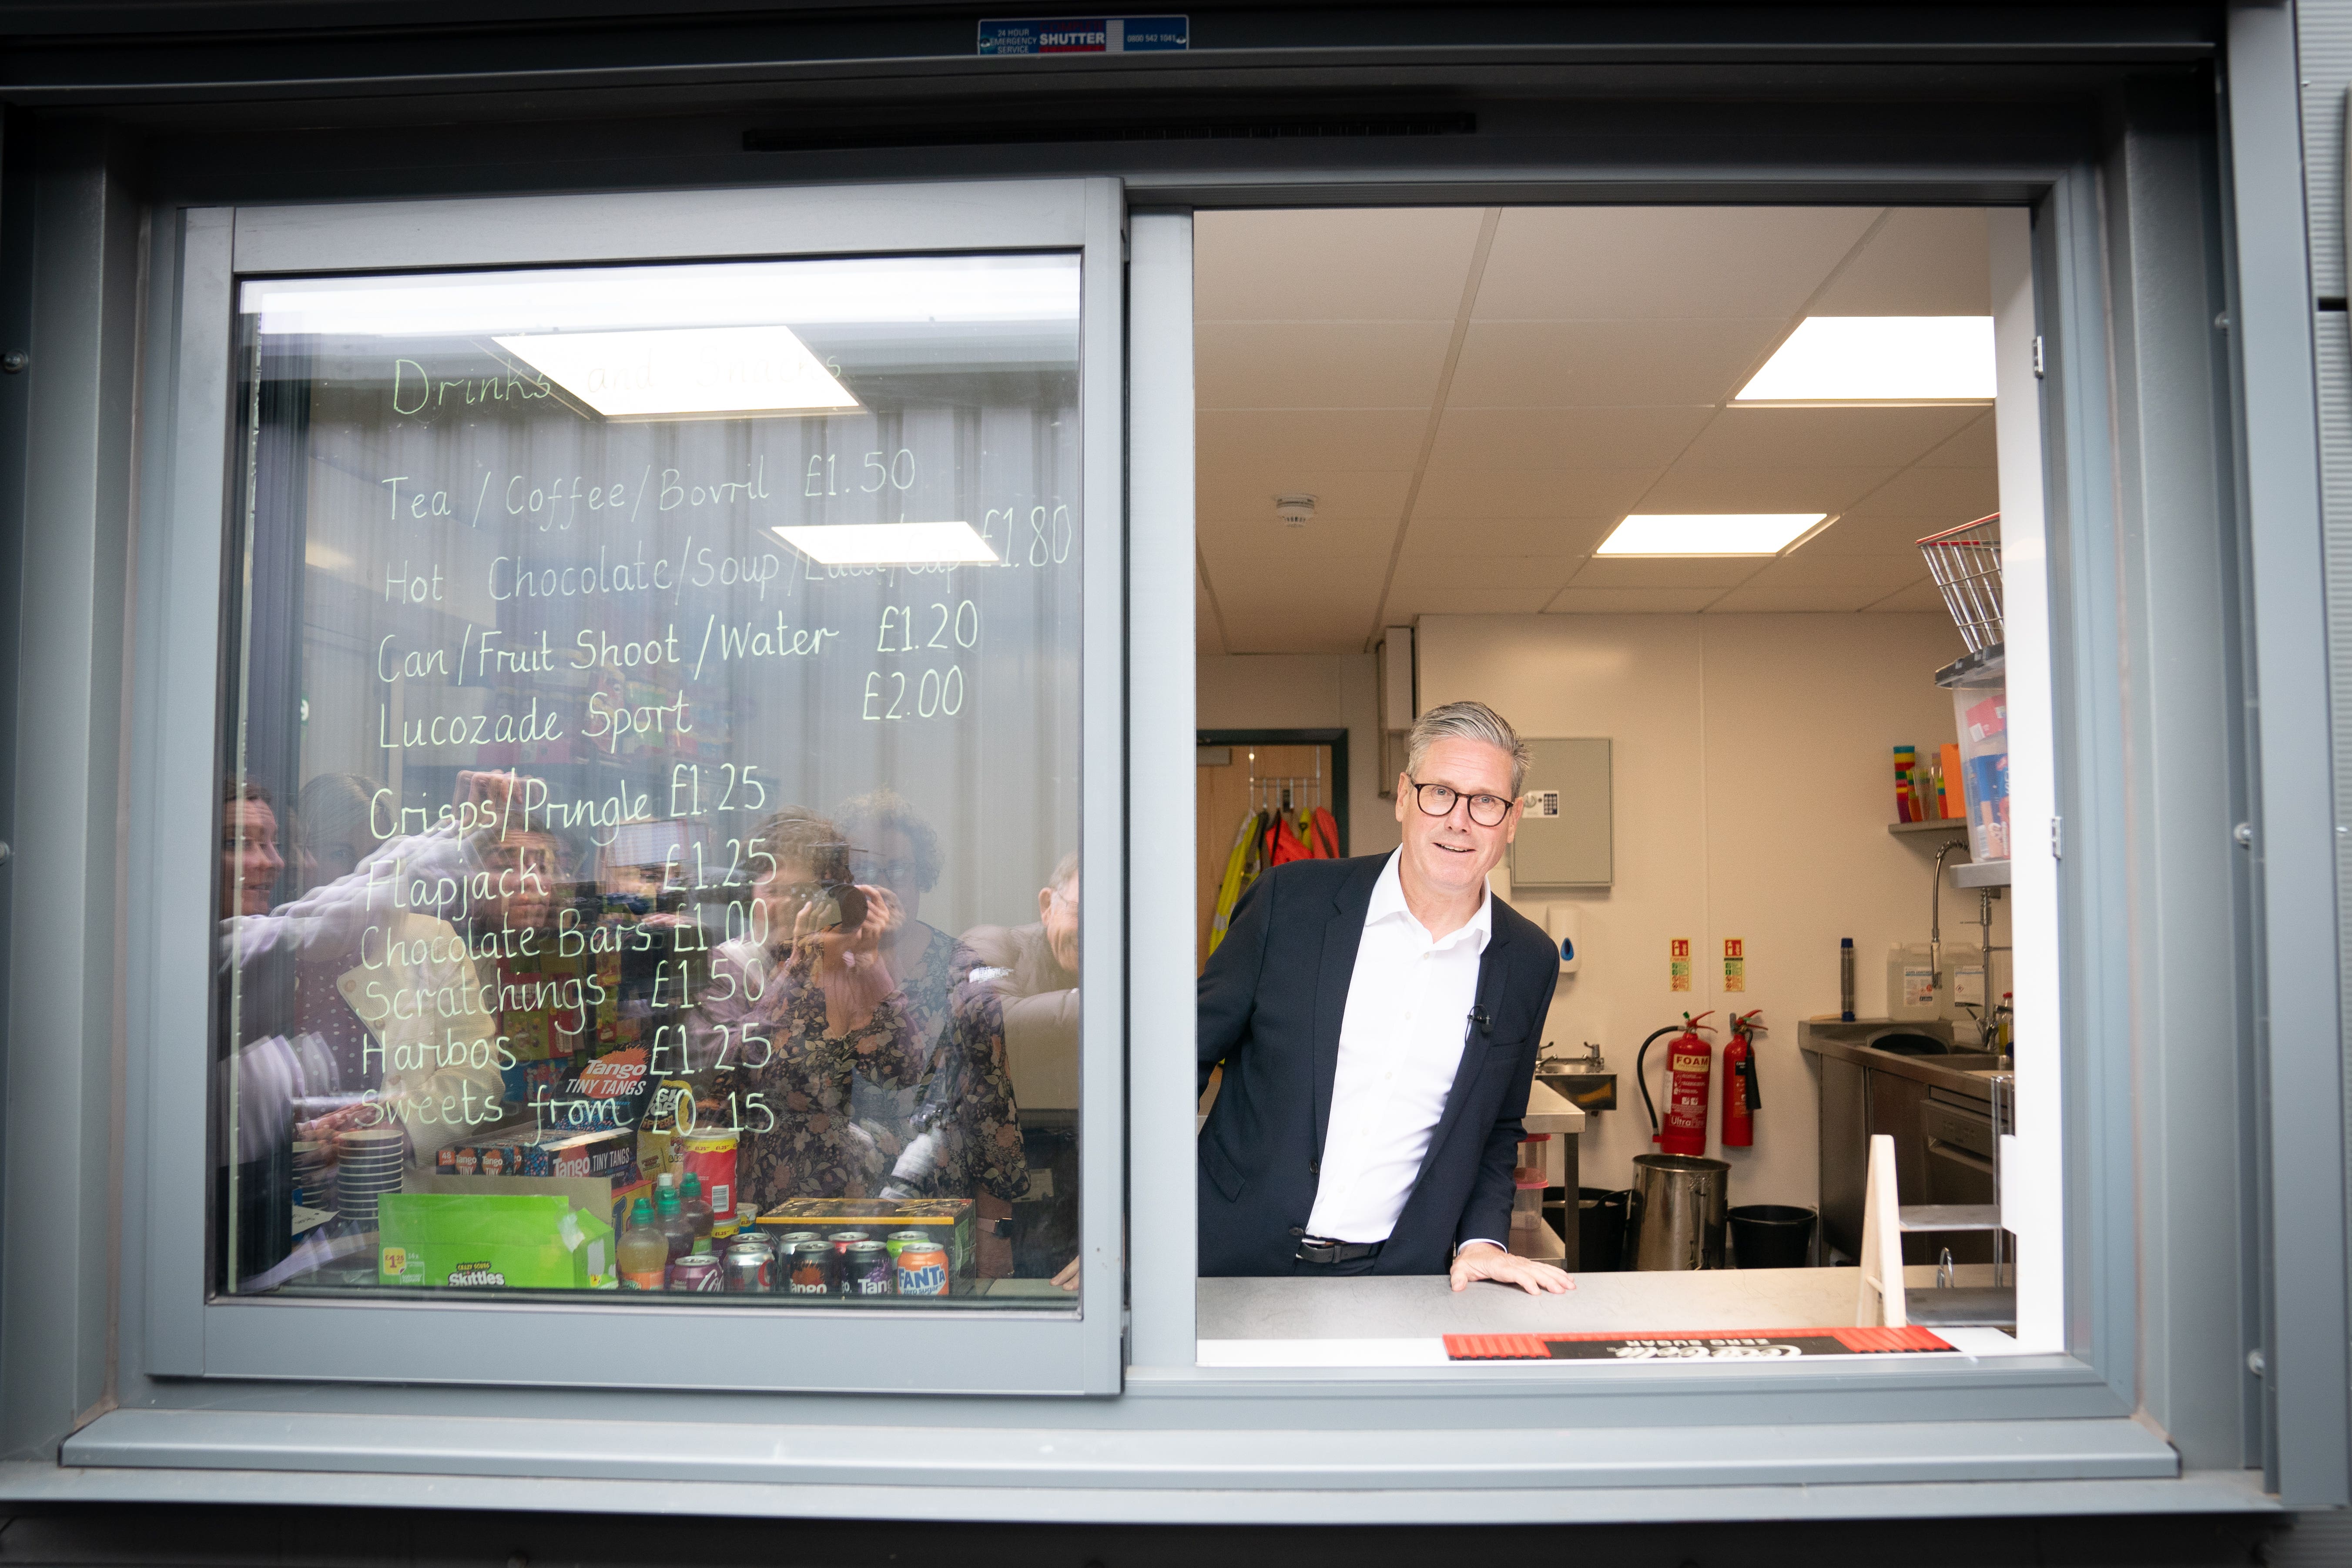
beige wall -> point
(1307, 691)
(1753, 786)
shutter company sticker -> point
(1083, 35)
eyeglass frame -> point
(1419, 800)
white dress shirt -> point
(1400, 1041)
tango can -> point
(695, 1272)
(865, 1268)
(922, 1268)
(843, 1240)
(809, 1268)
(746, 1267)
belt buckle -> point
(1313, 1251)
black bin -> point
(1772, 1235)
(1600, 1229)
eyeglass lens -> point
(1485, 810)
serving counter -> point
(1401, 1321)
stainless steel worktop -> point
(1846, 1042)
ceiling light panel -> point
(693, 373)
(1712, 533)
(1878, 360)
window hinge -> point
(2037, 356)
(2243, 836)
(2057, 839)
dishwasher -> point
(1957, 1134)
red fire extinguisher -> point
(1689, 1062)
(1741, 1099)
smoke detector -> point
(1294, 510)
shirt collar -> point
(1387, 903)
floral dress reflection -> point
(793, 1021)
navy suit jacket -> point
(1271, 1001)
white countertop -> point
(1400, 1320)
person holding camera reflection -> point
(1019, 1001)
(801, 1007)
(892, 847)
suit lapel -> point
(1492, 967)
(1343, 934)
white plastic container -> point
(1964, 984)
(1915, 992)
(1981, 713)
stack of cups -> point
(314, 1172)
(368, 1166)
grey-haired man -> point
(1378, 1020)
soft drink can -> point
(897, 1240)
(865, 1268)
(746, 1266)
(695, 1271)
(843, 1240)
(922, 1268)
(809, 1267)
(710, 1156)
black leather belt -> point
(1313, 1249)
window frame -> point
(840, 1350)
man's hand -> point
(1485, 1260)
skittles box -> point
(536, 1242)
(950, 1220)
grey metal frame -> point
(1184, 1443)
(1040, 1352)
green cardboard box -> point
(519, 1241)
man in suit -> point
(1378, 1020)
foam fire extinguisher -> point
(1690, 1061)
(1741, 1099)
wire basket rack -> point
(1966, 563)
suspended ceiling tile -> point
(1826, 583)
(1561, 364)
(1249, 544)
(1921, 595)
(1472, 494)
(1408, 602)
(1717, 571)
(1516, 439)
(1263, 615)
(1363, 438)
(1973, 446)
(1954, 495)
(1247, 490)
(1823, 438)
(1575, 601)
(1319, 364)
(1562, 538)
(1863, 532)
(1762, 490)
(1925, 261)
(1205, 632)
(1341, 264)
(1451, 569)
(1588, 263)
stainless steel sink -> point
(1587, 1091)
(1959, 1061)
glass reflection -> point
(555, 590)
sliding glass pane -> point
(650, 809)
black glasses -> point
(1437, 800)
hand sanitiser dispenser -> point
(1566, 923)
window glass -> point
(650, 785)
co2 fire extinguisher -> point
(1690, 1061)
(1741, 1099)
